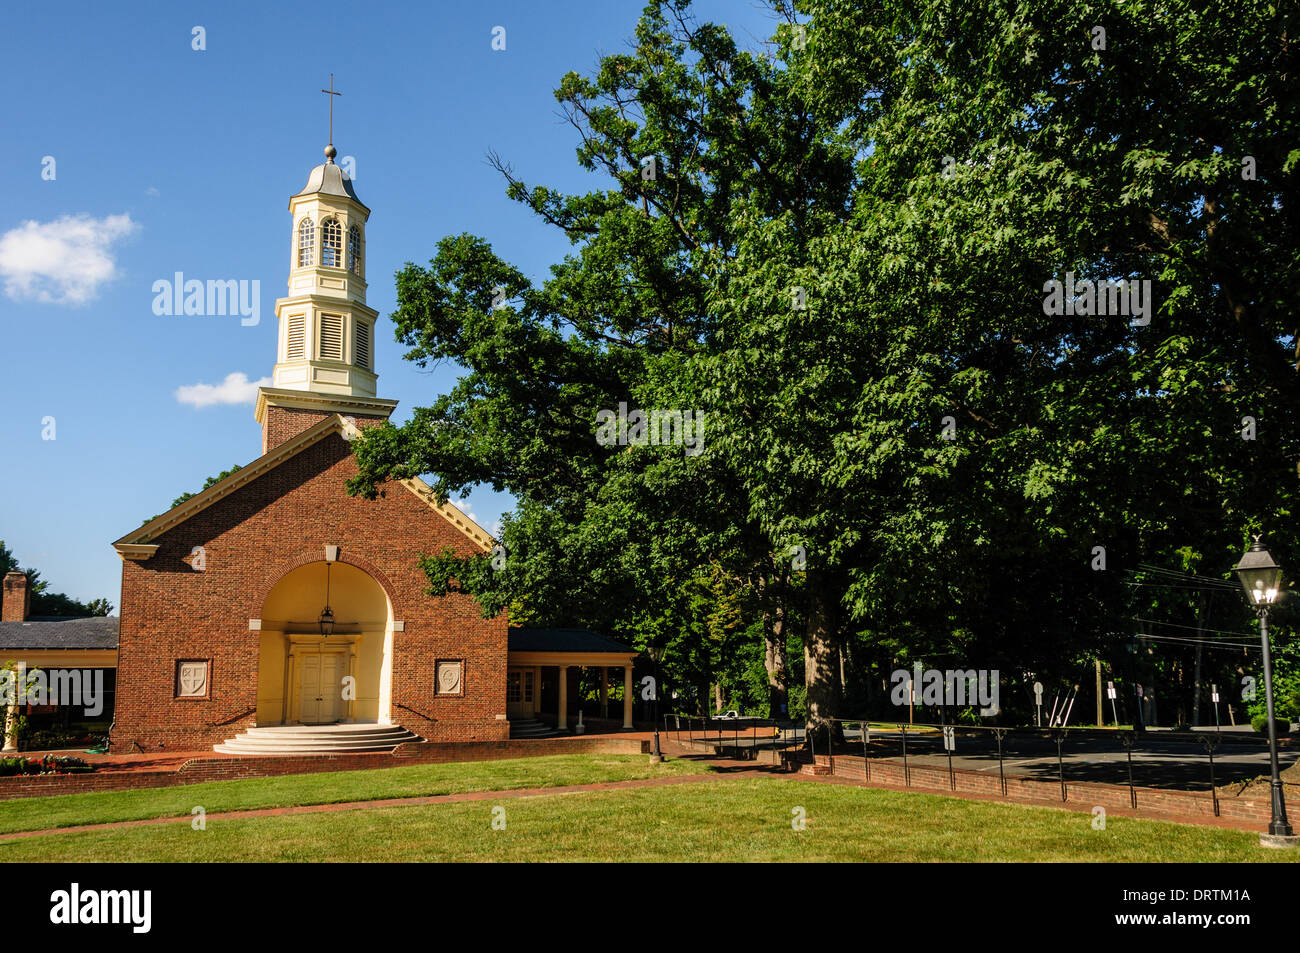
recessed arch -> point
(305, 677)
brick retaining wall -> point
(198, 770)
(1090, 793)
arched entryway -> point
(306, 678)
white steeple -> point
(327, 333)
(325, 349)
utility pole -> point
(1101, 715)
(1196, 679)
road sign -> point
(1038, 693)
(949, 739)
(1110, 690)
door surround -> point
(300, 644)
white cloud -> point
(235, 389)
(152, 192)
(463, 506)
(64, 261)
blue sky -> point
(170, 159)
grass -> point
(423, 780)
(738, 820)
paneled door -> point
(322, 689)
(519, 693)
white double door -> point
(320, 701)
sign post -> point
(1038, 704)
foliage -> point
(209, 482)
(50, 764)
(842, 259)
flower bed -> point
(50, 764)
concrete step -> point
(317, 739)
(532, 728)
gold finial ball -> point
(331, 152)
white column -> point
(604, 691)
(289, 693)
(627, 696)
(11, 729)
(562, 722)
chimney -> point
(17, 598)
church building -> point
(274, 612)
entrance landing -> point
(317, 739)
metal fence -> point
(1175, 761)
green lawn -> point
(68, 810)
(738, 820)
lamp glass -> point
(1260, 576)
(327, 621)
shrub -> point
(50, 764)
(1260, 724)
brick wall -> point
(284, 423)
(251, 538)
(217, 768)
(1089, 793)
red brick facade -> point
(284, 423)
(254, 536)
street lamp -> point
(1261, 577)
(656, 653)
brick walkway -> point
(723, 769)
(387, 802)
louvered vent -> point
(331, 337)
(361, 345)
(296, 347)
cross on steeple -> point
(332, 93)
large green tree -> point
(840, 249)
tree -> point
(45, 603)
(209, 482)
(842, 252)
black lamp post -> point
(656, 653)
(1261, 577)
(327, 614)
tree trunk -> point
(774, 655)
(820, 657)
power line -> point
(1206, 642)
(1198, 628)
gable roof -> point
(139, 544)
(95, 632)
(563, 640)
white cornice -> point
(341, 404)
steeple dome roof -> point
(329, 179)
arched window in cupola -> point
(331, 246)
(306, 242)
(354, 250)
